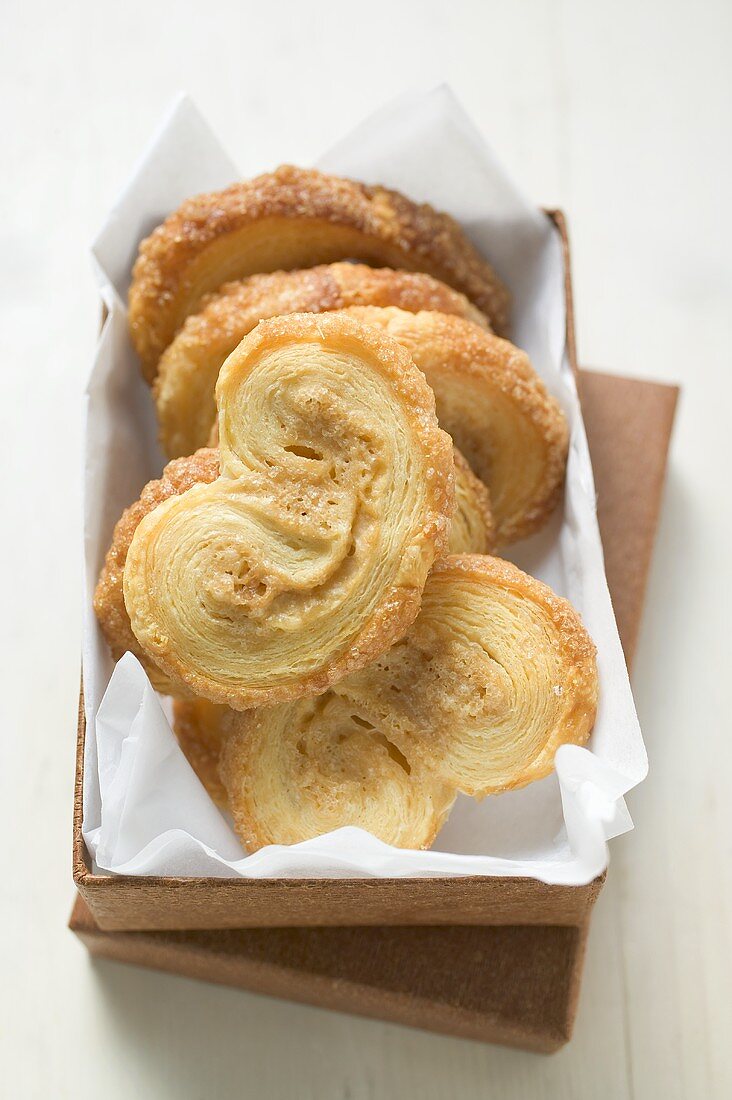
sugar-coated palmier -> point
(294, 218)
(186, 377)
(471, 532)
(307, 556)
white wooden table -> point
(620, 114)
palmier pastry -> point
(471, 532)
(495, 674)
(496, 408)
(198, 726)
(189, 367)
(307, 557)
(293, 218)
(301, 769)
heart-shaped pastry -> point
(293, 218)
(306, 558)
(471, 532)
(495, 674)
(187, 372)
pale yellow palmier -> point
(307, 557)
(187, 372)
(471, 532)
(293, 218)
(495, 674)
(301, 769)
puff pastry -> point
(495, 674)
(496, 408)
(187, 372)
(307, 557)
(301, 769)
(293, 218)
(471, 532)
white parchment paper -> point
(145, 812)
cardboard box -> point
(138, 903)
(513, 985)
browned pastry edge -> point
(109, 604)
(433, 239)
(183, 388)
(444, 345)
(197, 724)
(399, 604)
(178, 476)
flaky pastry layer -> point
(302, 769)
(495, 674)
(186, 377)
(498, 411)
(293, 218)
(109, 604)
(471, 532)
(307, 556)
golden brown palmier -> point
(495, 674)
(307, 557)
(293, 218)
(186, 378)
(471, 532)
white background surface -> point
(621, 115)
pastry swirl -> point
(293, 218)
(301, 769)
(489, 398)
(187, 372)
(307, 556)
(471, 532)
(495, 674)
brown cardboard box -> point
(512, 985)
(135, 903)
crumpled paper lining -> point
(145, 811)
